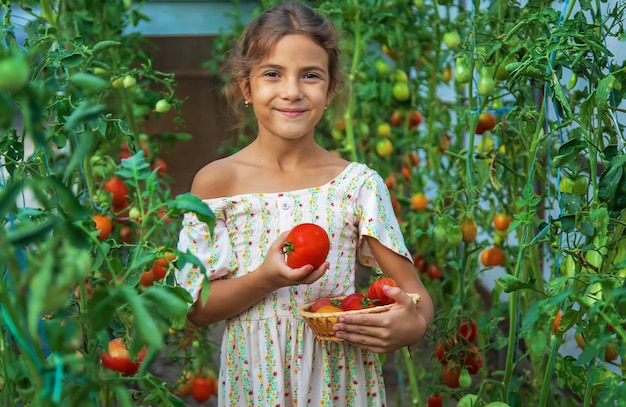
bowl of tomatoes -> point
(321, 314)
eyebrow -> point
(306, 68)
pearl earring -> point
(246, 103)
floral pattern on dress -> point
(269, 356)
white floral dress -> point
(269, 356)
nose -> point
(292, 89)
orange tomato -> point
(469, 230)
(103, 226)
(419, 201)
(486, 122)
(501, 221)
(493, 256)
(325, 309)
(610, 352)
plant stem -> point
(545, 387)
(410, 367)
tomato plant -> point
(306, 243)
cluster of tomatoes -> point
(432, 270)
(374, 296)
(459, 355)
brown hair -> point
(265, 31)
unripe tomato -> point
(486, 84)
(573, 80)
(462, 73)
(465, 380)
(469, 230)
(397, 118)
(398, 75)
(129, 81)
(162, 106)
(401, 91)
(446, 74)
(468, 400)
(384, 147)
(381, 66)
(452, 39)
(384, 129)
(14, 71)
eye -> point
(311, 75)
(271, 74)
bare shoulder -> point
(211, 181)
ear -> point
(244, 85)
(329, 95)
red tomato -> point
(442, 348)
(319, 304)
(376, 294)
(354, 302)
(467, 330)
(433, 271)
(307, 243)
(451, 374)
(473, 361)
(202, 388)
(118, 189)
(435, 401)
(160, 165)
(118, 360)
(486, 122)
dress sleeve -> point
(378, 220)
(214, 252)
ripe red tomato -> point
(321, 302)
(118, 359)
(354, 302)
(415, 118)
(307, 243)
(435, 401)
(118, 189)
(451, 374)
(160, 165)
(376, 294)
(442, 349)
(467, 331)
(433, 271)
(473, 360)
(202, 388)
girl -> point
(286, 69)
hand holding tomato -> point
(384, 332)
(279, 274)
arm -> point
(230, 297)
(403, 325)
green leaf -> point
(102, 306)
(144, 323)
(135, 167)
(604, 90)
(168, 302)
(85, 111)
(189, 202)
(72, 60)
(511, 283)
(90, 83)
(30, 232)
(568, 152)
(67, 201)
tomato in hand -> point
(117, 358)
(376, 294)
(307, 243)
(354, 302)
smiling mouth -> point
(291, 113)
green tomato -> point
(398, 75)
(129, 81)
(162, 106)
(497, 404)
(14, 72)
(469, 400)
(381, 66)
(452, 39)
(465, 380)
(573, 80)
(462, 74)
(454, 236)
(486, 84)
(384, 147)
(401, 91)
(581, 185)
(566, 185)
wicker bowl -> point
(322, 322)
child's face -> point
(290, 88)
